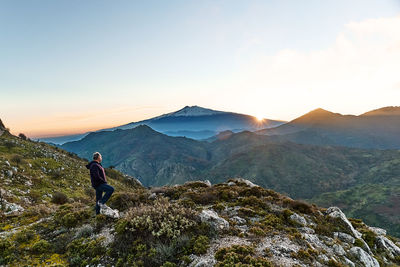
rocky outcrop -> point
(298, 219)
(364, 258)
(10, 208)
(238, 181)
(388, 246)
(335, 212)
(215, 221)
(109, 212)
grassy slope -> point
(39, 171)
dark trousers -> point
(103, 188)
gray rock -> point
(306, 230)
(323, 258)
(238, 220)
(335, 212)
(9, 173)
(344, 237)
(7, 163)
(109, 212)
(377, 231)
(212, 218)
(338, 249)
(298, 219)
(363, 257)
(241, 180)
(388, 245)
(11, 208)
(243, 228)
(207, 182)
(203, 263)
(152, 196)
(349, 262)
(108, 235)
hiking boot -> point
(102, 206)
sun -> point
(259, 118)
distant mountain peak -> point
(316, 115)
(320, 111)
(144, 128)
(385, 111)
(190, 111)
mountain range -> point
(191, 121)
(378, 129)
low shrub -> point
(17, 159)
(24, 236)
(59, 198)
(299, 206)
(257, 231)
(70, 216)
(41, 246)
(124, 200)
(201, 245)
(85, 252)
(162, 219)
(238, 255)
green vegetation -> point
(239, 256)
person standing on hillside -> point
(99, 182)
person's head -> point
(97, 157)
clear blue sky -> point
(90, 64)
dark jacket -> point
(97, 174)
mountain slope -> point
(376, 129)
(149, 155)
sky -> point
(75, 66)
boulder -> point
(338, 249)
(363, 257)
(344, 237)
(152, 196)
(238, 220)
(335, 212)
(203, 262)
(241, 180)
(349, 262)
(377, 231)
(388, 245)
(109, 212)
(298, 219)
(212, 218)
(11, 208)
